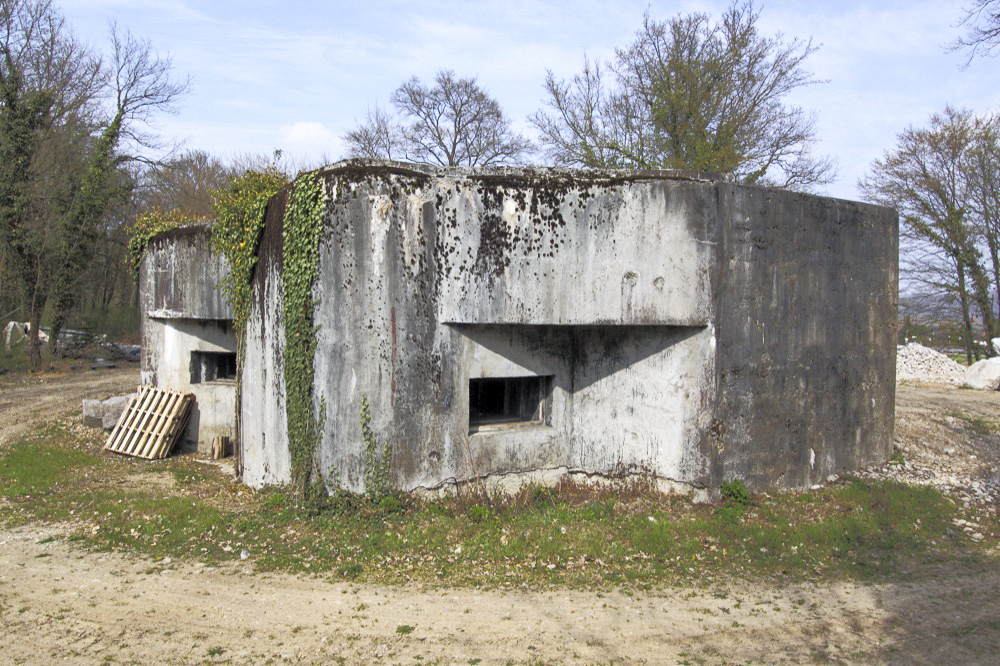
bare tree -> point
(141, 86)
(926, 178)
(379, 136)
(184, 183)
(47, 57)
(690, 93)
(983, 175)
(452, 123)
(593, 125)
(982, 24)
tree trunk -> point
(982, 298)
(995, 259)
(34, 341)
(54, 336)
(967, 336)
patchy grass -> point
(40, 467)
(566, 536)
(979, 425)
(189, 475)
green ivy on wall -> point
(301, 234)
(239, 219)
(377, 459)
(239, 210)
(151, 223)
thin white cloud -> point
(308, 139)
(296, 76)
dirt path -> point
(60, 603)
(75, 607)
(26, 401)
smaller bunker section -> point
(188, 342)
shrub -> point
(479, 513)
(735, 493)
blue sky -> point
(297, 75)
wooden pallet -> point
(151, 424)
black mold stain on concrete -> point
(784, 376)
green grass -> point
(17, 360)
(541, 537)
(189, 476)
(32, 468)
(977, 424)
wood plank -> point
(127, 441)
(125, 421)
(121, 436)
(153, 430)
(151, 424)
(178, 426)
(133, 434)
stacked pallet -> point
(151, 424)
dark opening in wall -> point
(505, 401)
(212, 366)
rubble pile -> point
(916, 363)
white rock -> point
(914, 362)
(984, 374)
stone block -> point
(93, 414)
(112, 409)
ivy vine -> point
(239, 210)
(377, 459)
(239, 219)
(150, 224)
(301, 234)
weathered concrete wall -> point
(263, 424)
(183, 311)
(619, 288)
(806, 328)
(180, 276)
(564, 250)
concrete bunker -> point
(188, 343)
(522, 324)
